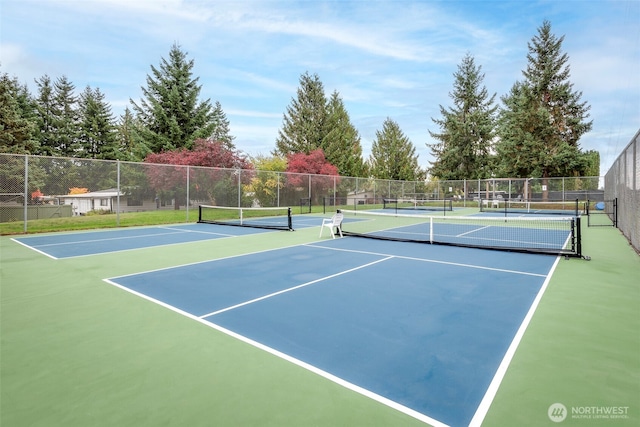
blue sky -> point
(391, 59)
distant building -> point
(360, 197)
(103, 200)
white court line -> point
(104, 240)
(457, 264)
(143, 236)
(473, 231)
(178, 231)
(138, 248)
(213, 313)
(492, 390)
(482, 409)
(346, 384)
(182, 230)
(205, 261)
(33, 249)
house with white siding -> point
(103, 200)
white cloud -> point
(252, 114)
(181, 9)
(263, 81)
(385, 58)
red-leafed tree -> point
(37, 197)
(215, 173)
(311, 172)
(204, 153)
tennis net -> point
(566, 208)
(270, 218)
(543, 235)
(418, 204)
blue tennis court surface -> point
(419, 327)
(69, 245)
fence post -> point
(466, 193)
(239, 171)
(26, 191)
(118, 193)
(188, 197)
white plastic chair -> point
(334, 222)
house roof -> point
(100, 194)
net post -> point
(431, 230)
(289, 221)
(578, 236)
(199, 213)
(240, 209)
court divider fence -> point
(622, 183)
(38, 187)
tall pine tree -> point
(98, 138)
(132, 147)
(303, 127)
(222, 132)
(170, 114)
(66, 120)
(465, 140)
(341, 141)
(393, 155)
(57, 117)
(543, 117)
(17, 124)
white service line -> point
(346, 384)
(213, 313)
(457, 264)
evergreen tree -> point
(170, 114)
(132, 147)
(464, 146)
(222, 132)
(303, 128)
(393, 155)
(591, 163)
(57, 117)
(543, 117)
(66, 120)
(97, 128)
(45, 116)
(341, 141)
(17, 124)
(518, 124)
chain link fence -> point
(622, 183)
(36, 187)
